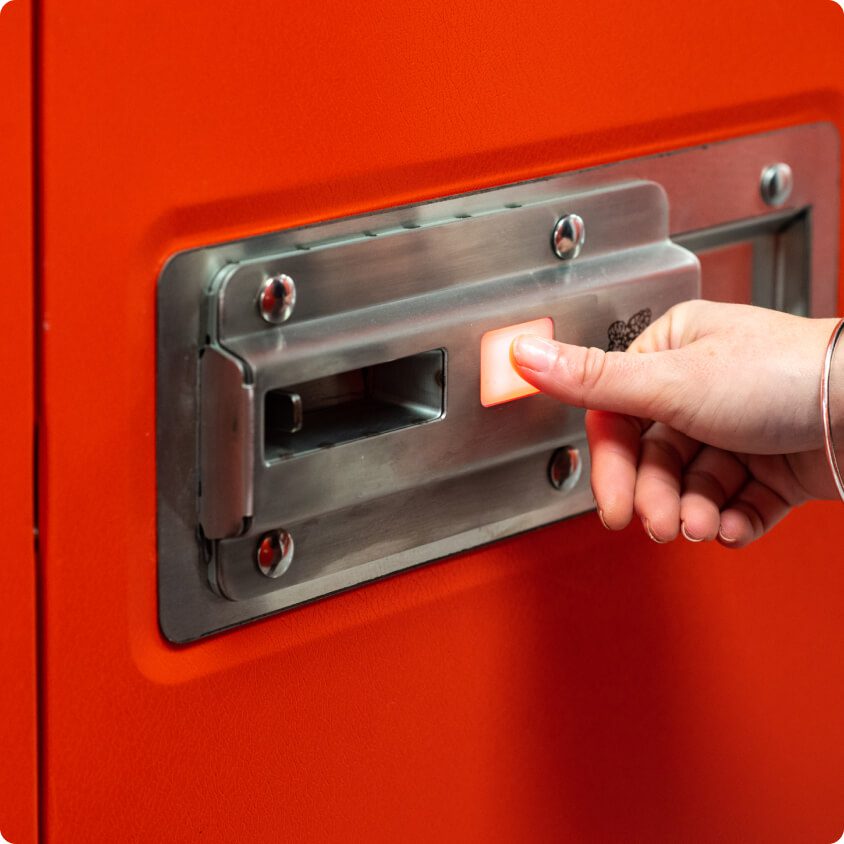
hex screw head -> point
(776, 184)
(275, 553)
(277, 298)
(564, 468)
(568, 237)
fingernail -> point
(650, 533)
(724, 537)
(534, 353)
(686, 534)
(601, 515)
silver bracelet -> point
(825, 411)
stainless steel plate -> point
(379, 300)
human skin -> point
(708, 426)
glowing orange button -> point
(500, 382)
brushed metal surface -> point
(226, 433)
(435, 275)
(350, 503)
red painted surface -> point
(565, 684)
(18, 729)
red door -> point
(567, 684)
(18, 696)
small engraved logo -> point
(622, 334)
(3, 4)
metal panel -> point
(763, 262)
(407, 252)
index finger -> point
(614, 447)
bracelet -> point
(825, 410)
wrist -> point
(830, 404)
(836, 398)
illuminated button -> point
(500, 382)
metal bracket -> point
(322, 385)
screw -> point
(777, 182)
(277, 298)
(568, 237)
(275, 553)
(565, 468)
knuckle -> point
(707, 483)
(592, 372)
(689, 308)
(668, 450)
(680, 320)
(753, 516)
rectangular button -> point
(500, 382)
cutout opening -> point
(354, 405)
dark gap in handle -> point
(354, 405)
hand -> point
(708, 425)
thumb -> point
(635, 384)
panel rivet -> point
(565, 468)
(776, 184)
(275, 553)
(277, 298)
(568, 237)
